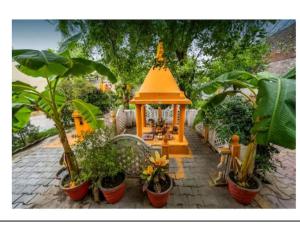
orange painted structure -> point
(81, 126)
(160, 87)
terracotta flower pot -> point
(75, 193)
(113, 195)
(159, 200)
(241, 194)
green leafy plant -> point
(28, 135)
(274, 110)
(233, 116)
(263, 159)
(97, 156)
(99, 159)
(155, 174)
(82, 88)
(53, 67)
(24, 136)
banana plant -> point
(53, 67)
(274, 100)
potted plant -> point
(76, 190)
(53, 67)
(273, 99)
(157, 182)
(100, 163)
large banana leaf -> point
(20, 116)
(81, 66)
(236, 79)
(89, 112)
(44, 104)
(69, 42)
(40, 63)
(19, 87)
(275, 115)
(103, 70)
(211, 102)
(48, 64)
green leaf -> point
(103, 70)
(49, 71)
(291, 74)
(19, 86)
(80, 66)
(83, 66)
(217, 99)
(236, 79)
(265, 75)
(69, 42)
(89, 112)
(45, 106)
(20, 116)
(40, 63)
(275, 115)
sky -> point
(34, 34)
(41, 35)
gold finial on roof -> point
(160, 57)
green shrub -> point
(97, 156)
(233, 116)
(28, 135)
(24, 136)
(79, 88)
(263, 160)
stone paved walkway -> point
(34, 184)
(281, 192)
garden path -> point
(34, 184)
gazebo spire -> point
(160, 56)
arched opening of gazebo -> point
(160, 87)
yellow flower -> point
(72, 184)
(159, 161)
(164, 161)
(148, 170)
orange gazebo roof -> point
(159, 86)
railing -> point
(211, 137)
(126, 118)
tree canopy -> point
(196, 50)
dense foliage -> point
(97, 156)
(28, 135)
(53, 67)
(264, 161)
(274, 116)
(197, 50)
(81, 88)
(233, 116)
(24, 136)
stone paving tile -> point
(35, 186)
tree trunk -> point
(96, 194)
(69, 157)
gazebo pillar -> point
(143, 116)
(181, 122)
(174, 114)
(138, 112)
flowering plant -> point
(154, 174)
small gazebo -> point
(160, 87)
